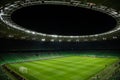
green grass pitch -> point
(64, 68)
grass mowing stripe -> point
(66, 68)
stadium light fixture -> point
(10, 36)
(52, 40)
(104, 38)
(43, 40)
(60, 40)
(114, 37)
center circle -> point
(63, 20)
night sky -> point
(63, 20)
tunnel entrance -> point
(63, 20)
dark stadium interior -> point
(82, 54)
(63, 20)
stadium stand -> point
(3, 76)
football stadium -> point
(59, 39)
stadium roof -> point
(9, 29)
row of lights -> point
(60, 40)
(77, 40)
